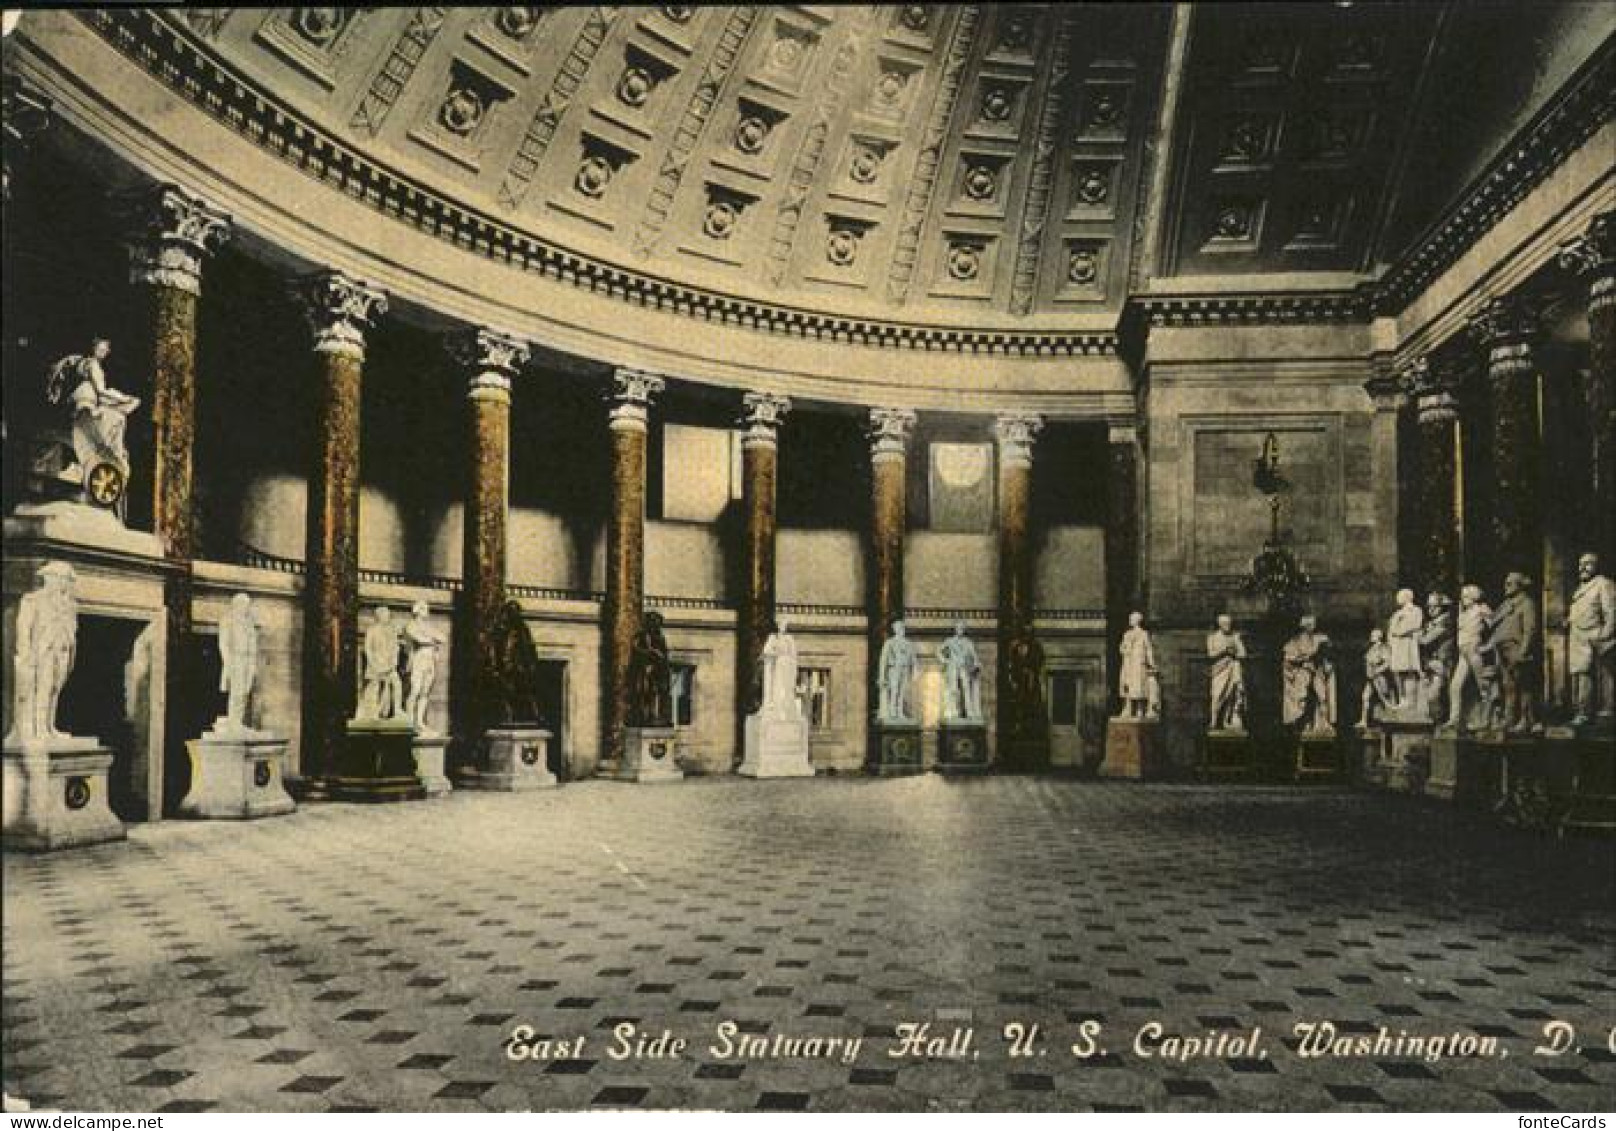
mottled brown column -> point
(1121, 542)
(890, 429)
(1505, 327)
(1015, 433)
(176, 233)
(339, 309)
(1433, 385)
(759, 455)
(492, 360)
(1593, 256)
(625, 552)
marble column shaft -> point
(1122, 594)
(1432, 384)
(1505, 327)
(492, 361)
(1015, 434)
(339, 310)
(1593, 256)
(759, 472)
(625, 551)
(890, 429)
(1388, 472)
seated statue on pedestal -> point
(100, 415)
(46, 645)
(382, 697)
(1380, 686)
(1309, 681)
(650, 676)
(1227, 652)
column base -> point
(515, 760)
(376, 764)
(428, 751)
(1133, 750)
(1228, 755)
(236, 775)
(775, 748)
(962, 748)
(53, 795)
(898, 751)
(648, 755)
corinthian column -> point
(625, 550)
(890, 429)
(1433, 385)
(1593, 256)
(340, 310)
(1505, 327)
(761, 417)
(491, 360)
(1019, 734)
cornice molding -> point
(1157, 311)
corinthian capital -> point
(491, 359)
(1433, 385)
(889, 431)
(173, 233)
(761, 416)
(1015, 432)
(1508, 320)
(1593, 255)
(340, 309)
(632, 393)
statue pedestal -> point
(236, 776)
(962, 747)
(428, 751)
(648, 755)
(377, 763)
(775, 748)
(1591, 757)
(53, 794)
(515, 760)
(1397, 755)
(1227, 755)
(1463, 770)
(1133, 749)
(897, 749)
(1317, 758)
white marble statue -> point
(100, 412)
(1380, 686)
(895, 676)
(46, 642)
(238, 662)
(1592, 650)
(1141, 691)
(780, 675)
(1403, 638)
(1473, 668)
(1309, 681)
(382, 697)
(425, 642)
(962, 677)
(1227, 653)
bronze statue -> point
(512, 694)
(650, 676)
(1024, 661)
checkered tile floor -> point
(350, 958)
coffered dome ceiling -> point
(992, 178)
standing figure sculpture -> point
(962, 676)
(780, 674)
(1473, 667)
(238, 662)
(1227, 652)
(895, 675)
(100, 417)
(1403, 638)
(425, 643)
(1517, 640)
(1591, 655)
(650, 676)
(1141, 691)
(1309, 679)
(382, 696)
(47, 640)
(1438, 652)
(1024, 685)
(1380, 686)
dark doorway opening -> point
(198, 702)
(102, 700)
(552, 696)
